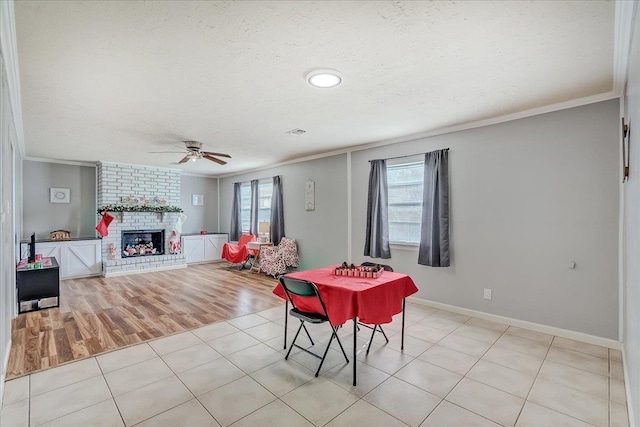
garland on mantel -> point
(134, 208)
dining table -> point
(367, 300)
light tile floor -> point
(455, 371)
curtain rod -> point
(409, 155)
(259, 179)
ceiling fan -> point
(194, 152)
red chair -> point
(238, 254)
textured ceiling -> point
(111, 81)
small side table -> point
(255, 246)
(38, 288)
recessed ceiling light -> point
(324, 78)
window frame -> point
(247, 211)
(397, 164)
(261, 185)
(245, 185)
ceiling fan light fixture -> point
(324, 78)
(194, 152)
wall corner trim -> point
(5, 364)
(9, 49)
(622, 43)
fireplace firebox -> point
(137, 243)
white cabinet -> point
(193, 248)
(77, 258)
(203, 247)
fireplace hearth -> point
(138, 243)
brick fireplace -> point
(117, 180)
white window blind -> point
(405, 184)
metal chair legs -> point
(376, 327)
(326, 351)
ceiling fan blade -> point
(216, 154)
(213, 159)
(185, 159)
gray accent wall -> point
(203, 217)
(321, 235)
(631, 190)
(42, 217)
(528, 197)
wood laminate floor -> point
(100, 314)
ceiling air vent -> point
(296, 132)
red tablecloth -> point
(373, 301)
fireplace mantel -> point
(119, 216)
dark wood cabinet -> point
(38, 288)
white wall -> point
(527, 197)
(203, 217)
(41, 216)
(632, 231)
(321, 235)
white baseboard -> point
(551, 330)
(630, 408)
(146, 270)
(81, 276)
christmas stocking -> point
(103, 226)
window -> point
(405, 183)
(265, 189)
(245, 206)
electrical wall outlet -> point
(487, 294)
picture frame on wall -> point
(197, 199)
(310, 196)
(59, 195)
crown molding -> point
(574, 103)
(62, 162)
(199, 175)
(414, 137)
(444, 130)
(138, 166)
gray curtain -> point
(276, 231)
(253, 221)
(236, 219)
(434, 237)
(376, 243)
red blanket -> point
(237, 253)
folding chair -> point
(375, 327)
(304, 289)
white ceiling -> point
(111, 81)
